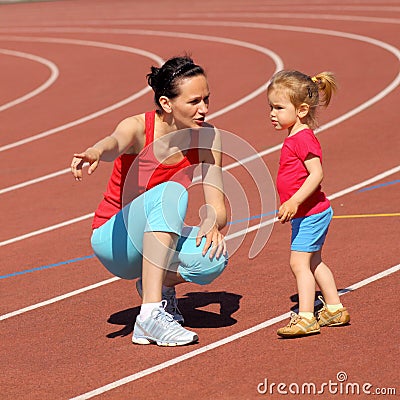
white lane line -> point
(229, 237)
(365, 183)
(278, 63)
(35, 180)
(222, 342)
(54, 73)
(47, 229)
(273, 15)
(96, 114)
(234, 42)
(331, 197)
(342, 7)
(236, 234)
(58, 298)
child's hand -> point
(287, 211)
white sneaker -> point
(162, 329)
(172, 302)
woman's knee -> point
(202, 270)
(193, 266)
(213, 273)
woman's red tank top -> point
(133, 174)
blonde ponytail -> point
(326, 83)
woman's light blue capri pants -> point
(118, 243)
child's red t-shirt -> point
(292, 172)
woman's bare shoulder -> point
(133, 123)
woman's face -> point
(190, 107)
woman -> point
(138, 229)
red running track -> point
(70, 71)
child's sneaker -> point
(327, 318)
(162, 329)
(172, 302)
(299, 326)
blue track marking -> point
(28, 271)
(379, 186)
(238, 221)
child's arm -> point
(315, 175)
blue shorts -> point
(118, 243)
(308, 233)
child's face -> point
(283, 113)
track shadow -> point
(189, 305)
(229, 303)
(295, 299)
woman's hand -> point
(91, 155)
(214, 240)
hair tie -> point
(180, 71)
(314, 79)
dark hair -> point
(164, 80)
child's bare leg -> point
(304, 323)
(324, 278)
(300, 263)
